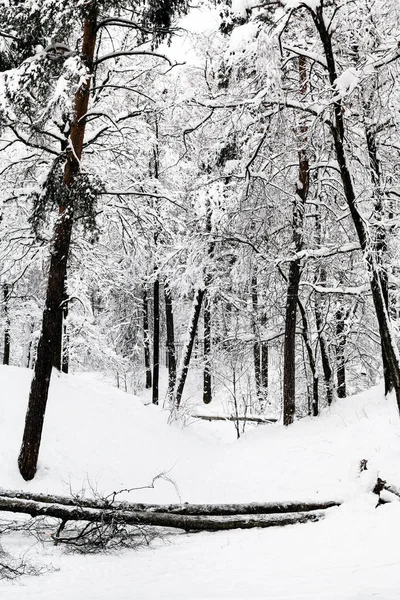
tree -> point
(70, 185)
(333, 120)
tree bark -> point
(65, 336)
(340, 352)
(320, 277)
(289, 354)
(235, 418)
(207, 390)
(246, 508)
(156, 339)
(30, 344)
(58, 341)
(187, 522)
(187, 354)
(264, 370)
(155, 172)
(7, 336)
(311, 360)
(146, 338)
(380, 238)
(29, 452)
(256, 344)
(326, 365)
(171, 352)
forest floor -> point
(99, 438)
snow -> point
(347, 81)
(242, 36)
(96, 436)
(240, 7)
(311, 4)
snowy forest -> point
(199, 299)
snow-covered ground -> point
(98, 437)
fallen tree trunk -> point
(250, 508)
(158, 519)
(234, 418)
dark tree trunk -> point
(326, 364)
(146, 338)
(171, 352)
(61, 342)
(58, 341)
(289, 354)
(264, 369)
(389, 349)
(187, 353)
(7, 336)
(256, 344)
(154, 172)
(65, 337)
(311, 360)
(29, 452)
(156, 338)
(323, 344)
(45, 353)
(379, 239)
(207, 391)
(29, 350)
(340, 352)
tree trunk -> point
(235, 418)
(264, 370)
(156, 338)
(58, 340)
(207, 391)
(186, 522)
(187, 354)
(249, 508)
(29, 346)
(146, 338)
(256, 344)
(340, 352)
(61, 354)
(320, 277)
(311, 359)
(7, 337)
(389, 349)
(65, 337)
(289, 354)
(326, 365)
(171, 352)
(29, 452)
(379, 238)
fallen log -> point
(251, 419)
(189, 523)
(250, 508)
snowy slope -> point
(96, 436)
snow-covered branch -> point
(119, 53)
(346, 291)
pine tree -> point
(54, 26)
